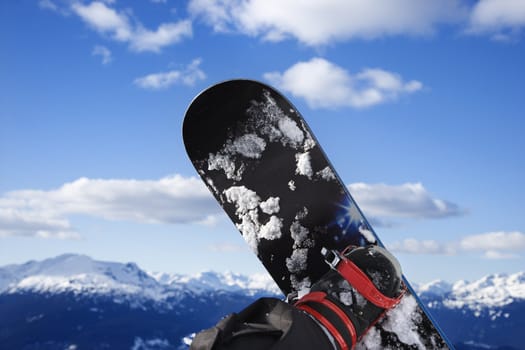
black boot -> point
(362, 285)
(267, 324)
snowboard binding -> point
(362, 284)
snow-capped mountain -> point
(73, 301)
(227, 281)
(491, 309)
(79, 274)
(488, 292)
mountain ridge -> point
(56, 301)
(73, 272)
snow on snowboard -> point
(262, 163)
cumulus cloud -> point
(172, 200)
(414, 246)
(322, 22)
(324, 84)
(494, 241)
(104, 19)
(48, 5)
(188, 76)
(165, 35)
(14, 222)
(56, 6)
(103, 52)
(501, 19)
(119, 26)
(492, 245)
(313, 23)
(409, 200)
(497, 255)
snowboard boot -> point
(362, 284)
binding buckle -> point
(331, 257)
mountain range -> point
(74, 302)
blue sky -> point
(419, 105)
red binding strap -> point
(337, 336)
(360, 281)
(320, 297)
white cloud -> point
(414, 246)
(324, 84)
(492, 245)
(119, 26)
(56, 6)
(409, 200)
(500, 18)
(171, 200)
(494, 241)
(187, 76)
(15, 222)
(104, 19)
(103, 52)
(325, 21)
(496, 255)
(165, 35)
(48, 5)
(217, 13)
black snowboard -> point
(262, 163)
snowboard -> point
(261, 161)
